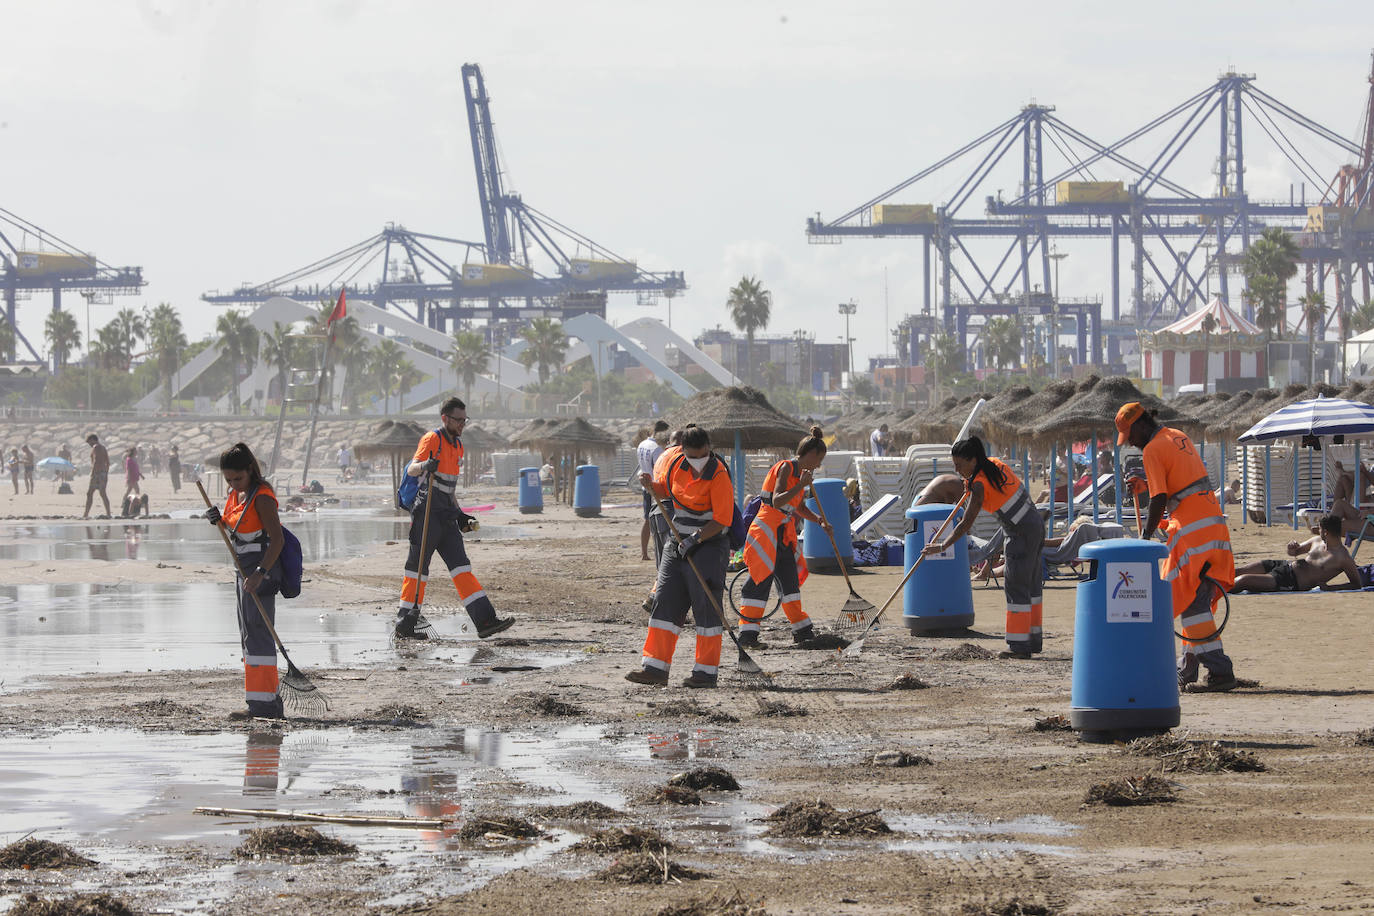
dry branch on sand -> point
(578, 811)
(1178, 755)
(1147, 789)
(34, 853)
(498, 827)
(710, 778)
(648, 868)
(1055, 723)
(817, 818)
(80, 905)
(623, 839)
(288, 842)
(908, 681)
(735, 905)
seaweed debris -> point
(706, 778)
(623, 839)
(80, 905)
(647, 868)
(966, 652)
(578, 811)
(498, 827)
(34, 853)
(290, 841)
(1147, 789)
(819, 819)
(1178, 755)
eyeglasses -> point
(459, 420)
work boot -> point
(749, 639)
(1018, 653)
(805, 634)
(699, 679)
(1187, 671)
(499, 625)
(1217, 683)
(654, 677)
(406, 628)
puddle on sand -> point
(126, 798)
(324, 535)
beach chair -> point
(1366, 533)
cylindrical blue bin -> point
(1123, 654)
(531, 497)
(587, 491)
(938, 596)
(815, 545)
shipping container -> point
(903, 214)
(492, 274)
(56, 263)
(587, 269)
(1091, 192)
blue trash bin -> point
(938, 596)
(1124, 678)
(587, 491)
(531, 497)
(815, 545)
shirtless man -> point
(944, 488)
(1319, 560)
(100, 475)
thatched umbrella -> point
(478, 444)
(394, 439)
(1012, 420)
(738, 418)
(1092, 410)
(564, 442)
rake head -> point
(299, 694)
(854, 617)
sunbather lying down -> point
(985, 554)
(1319, 559)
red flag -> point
(340, 308)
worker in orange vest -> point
(991, 486)
(770, 549)
(703, 503)
(1200, 564)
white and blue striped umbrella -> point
(1315, 417)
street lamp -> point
(847, 309)
(1057, 256)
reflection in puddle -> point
(684, 746)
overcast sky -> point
(213, 143)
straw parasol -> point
(738, 416)
(1011, 419)
(478, 444)
(1092, 411)
(394, 439)
(563, 441)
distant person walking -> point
(133, 473)
(646, 453)
(174, 469)
(878, 441)
(27, 461)
(100, 475)
(345, 458)
(13, 463)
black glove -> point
(690, 544)
(466, 522)
(430, 465)
(212, 515)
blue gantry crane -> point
(34, 260)
(1132, 190)
(529, 263)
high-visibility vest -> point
(1196, 530)
(240, 516)
(699, 498)
(1011, 503)
(450, 454)
(774, 523)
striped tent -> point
(1183, 353)
(1319, 416)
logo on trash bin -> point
(1131, 598)
(1124, 583)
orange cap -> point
(1126, 416)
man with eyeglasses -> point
(437, 461)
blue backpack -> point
(409, 489)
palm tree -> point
(407, 377)
(239, 341)
(1269, 263)
(105, 351)
(547, 346)
(166, 340)
(1002, 340)
(1313, 311)
(1209, 324)
(130, 327)
(1362, 318)
(750, 306)
(6, 340)
(62, 335)
(944, 354)
(1266, 295)
(386, 363)
(469, 357)
(278, 348)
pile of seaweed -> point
(289, 841)
(1147, 789)
(819, 819)
(543, 704)
(708, 778)
(648, 868)
(776, 709)
(34, 853)
(80, 905)
(908, 681)
(623, 839)
(498, 827)
(966, 652)
(578, 811)
(897, 758)
(1055, 723)
(1177, 755)
(669, 795)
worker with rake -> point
(255, 533)
(438, 459)
(770, 549)
(691, 575)
(992, 486)
(1200, 565)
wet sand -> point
(113, 762)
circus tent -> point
(1183, 353)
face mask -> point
(698, 463)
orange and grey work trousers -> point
(260, 679)
(445, 536)
(679, 591)
(1201, 643)
(1023, 582)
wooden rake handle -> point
(238, 567)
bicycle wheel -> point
(736, 592)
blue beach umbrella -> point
(56, 464)
(1314, 417)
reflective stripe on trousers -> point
(756, 593)
(1022, 582)
(680, 591)
(447, 538)
(260, 678)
